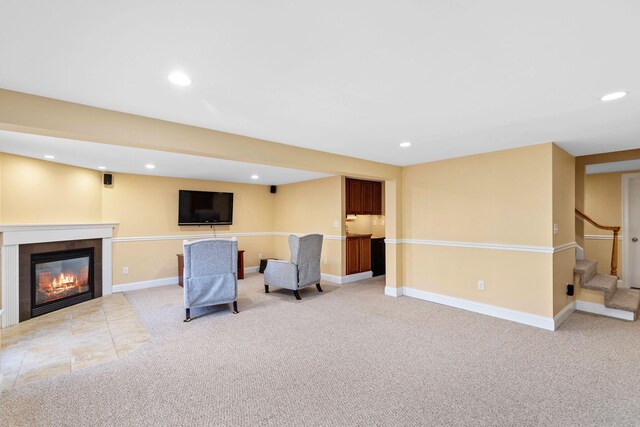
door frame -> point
(626, 177)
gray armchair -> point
(303, 269)
(210, 274)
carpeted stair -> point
(619, 299)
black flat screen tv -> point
(205, 208)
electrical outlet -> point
(481, 285)
(259, 256)
(555, 229)
(336, 224)
(325, 261)
(125, 270)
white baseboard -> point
(535, 320)
(621, 284)
(392, 292)
(564, 314)
(591, 307)
(145, 284)
(342, 280)
(253, 269)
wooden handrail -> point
(614, 249)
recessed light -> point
(49, 156)
(254, 177)
(613, 96)
(179, 78)
(150, 166)
(405, 144)
(102, 168)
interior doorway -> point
(631, 229)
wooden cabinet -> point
(358, 253)
(354, 196)
(363, 197)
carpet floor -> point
(348, 356)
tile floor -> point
(74, 338)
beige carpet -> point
(348, 356)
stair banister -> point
(614, 250)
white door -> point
(631, 233)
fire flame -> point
(64, 280)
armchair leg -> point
(297, 295)
(318, 286)
(235, 307)
(266, 289)
(188, 318)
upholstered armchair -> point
(303, 269)
(210, 270)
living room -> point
(477, 141)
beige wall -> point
(564, 218)
(503, 197)
(314, 206)
(148, 206)
(603, 203)
(367, 224)
(37, 191)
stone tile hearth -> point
(74, 338)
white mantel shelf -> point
(14, 235)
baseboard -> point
(342, 280)
(591, 307)
(145, 284)
(392, 292)
(621, 284)
(253, 269)
(529, 319)
(564, 314)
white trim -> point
(45, 227)
(601, 237)
(579, 252)
(622, 285)
(216, 235)
(343, 280)
(392, 292)
(475, 245)
(24, 233)
(535, 320)
(564, 314)
(9, 266)
(145, 284)
(600, 309)
(564, 247)
(253, 269)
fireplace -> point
(60, 279)
(54, 275)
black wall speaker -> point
(273, 189)
(108, 179)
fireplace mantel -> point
(14, 235)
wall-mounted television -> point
(205, 208)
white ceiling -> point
(133, 160)
(351, 77)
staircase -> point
(614, 298)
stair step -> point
(625, 299)
(602, 283)
(587, 269)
